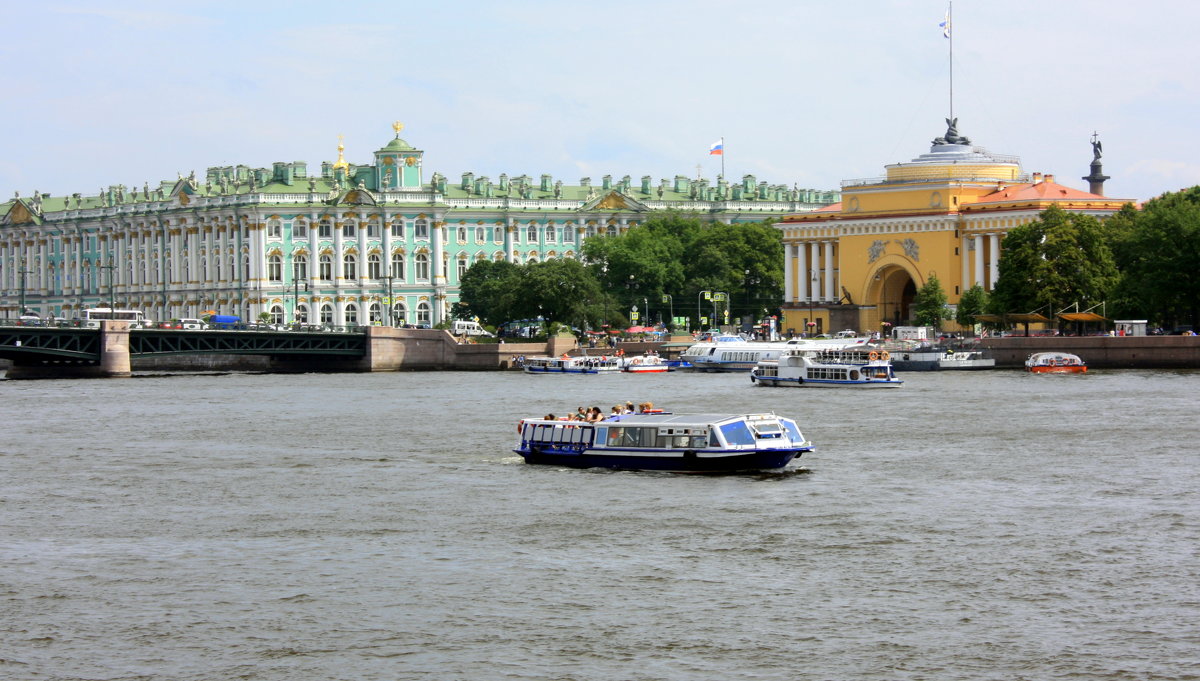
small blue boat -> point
(677, 443)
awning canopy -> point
(1081, 317)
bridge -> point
(70, 350)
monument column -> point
(979, 259)
(788, 262)
(802, 273)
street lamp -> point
(391, 303)
(112, 305)
(699, 296)
(671, 301)
(811, 321)
(296, 292)
(23, 272)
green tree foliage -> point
(929, 306)
(972, 302)
(1057, 260)
(1158, 253)
(489, 290)
(562, 291)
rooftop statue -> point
(1096, 147)
(952, 136)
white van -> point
(464, 328)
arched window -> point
(480, 234)
(462, 234)
(421, 264)
(398, 266)
(551, 234)
(203, 268)
(462, 265)
(351, 314)
(302, 313)
(498, 256)
(398, 227)
(399, 313)
(274, 228)
(300, 266)
(374, 266)
(421, 229)
(276, 314)
(300, 229)
(326, 313)
(375, 312)
(531, 236)
(349, 266)
(532, 259)
(275, 268)
(612, 230)
(423, 313)
(325, 271)
(591, 230)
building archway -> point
(892, 291)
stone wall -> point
(1106, 352)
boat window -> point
(793, 431)
(737, 433)
(767, 430)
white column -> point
(965, 259)
(979, 259)
(814, 266)
(788, 279)
(337, 263)
(993, 260)
(802, 272)
(829, 297)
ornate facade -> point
(858, 264)
(342, 246)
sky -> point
(803, 92)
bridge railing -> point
(175, 326)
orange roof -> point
(1038, 191)
(831, 208)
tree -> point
(561, 291)
(929, 306)
(1057, 260)
(489, 290)
(1158, 253)
(972, 302)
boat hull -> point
(786, 382)
(571, 370)
(1057, 370)
(667, 462)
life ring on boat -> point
(873, 355)
(885, 355)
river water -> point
(991, 525)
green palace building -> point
(345, 245)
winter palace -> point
(342, 246)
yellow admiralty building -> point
(858, 264)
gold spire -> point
(341, 162)
(397, 126)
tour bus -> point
(92, 316)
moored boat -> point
(938, 358)
(572, 365)
(677, 443)
(734, 353)
(828, 369)
(1055, 363)
(648, 363)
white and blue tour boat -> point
(677, 443)
(583, 364)
(800, 368)
(734, 353)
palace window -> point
(421, 229)
(276, 314)
(462, 234)
(399, 313)
(373, 229)
(374, 266)
(275, 268)
(421, 264)
(398, 228)
(462, 266)
(531, 236)
(350, 229)
(302, 313)
(351, 314)
(274, 228)
(398, 266)
(325, 268)
(326, 313)
(551, 234)
(350, 267)
(422, 312)
(480, 234)
(325, 229)
(375, 313)
(300, 267)
(300, 229)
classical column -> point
(802, 276)
(508, 241)
(788, 262)
(979, 259)
(338, 272)
(829, 296)
(993, 260)
(965, 259)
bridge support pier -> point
(114, 349)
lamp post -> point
(112, 304)
(22, 272)
(296, 292)
(699, 296)
(670, 301)
(390, 302)
(811, 322)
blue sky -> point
(804, 92)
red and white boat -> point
(1055, 363)
(645, 364)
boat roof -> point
(681, 419)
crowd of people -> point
(595, 415)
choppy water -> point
(967, 526)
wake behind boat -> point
(677, 443)
(798, 368)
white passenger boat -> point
(583, 364)
(678, 443)
(648, 363)
(734, 353)
(828, 369)
(937, 358)
(1055, 363)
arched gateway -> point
(859, 263)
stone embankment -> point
(1102, 352)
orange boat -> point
(1055, 363)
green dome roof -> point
(398, 145)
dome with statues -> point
(398, 144)
(953, 157)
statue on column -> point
(1096, 147)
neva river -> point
(989, 525)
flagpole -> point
(722, 158)
(950, 28)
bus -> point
(92, 317)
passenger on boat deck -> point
(644, 407)
(629, 407)
(548, 417)
(581, 414)
(617, 411)
(595, 415)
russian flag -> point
(718, 148)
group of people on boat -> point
(595, 415)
